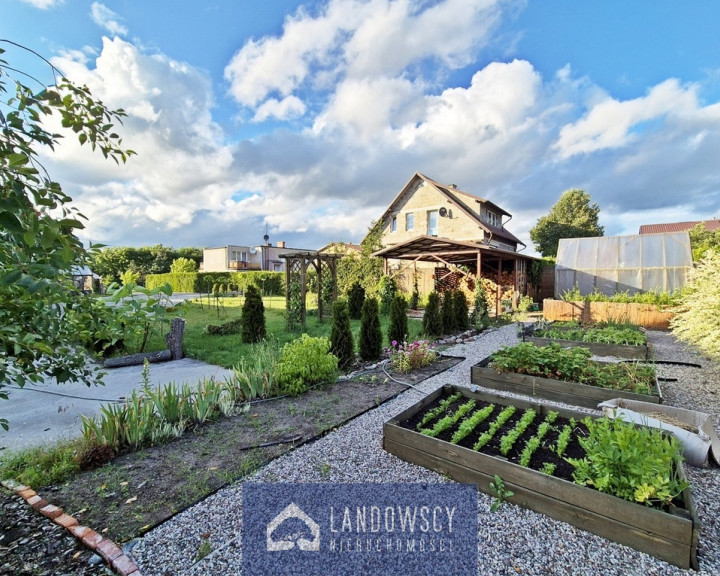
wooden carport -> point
(462, 255)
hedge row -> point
(269, 283)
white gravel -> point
(511, 541)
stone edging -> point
(111, 552)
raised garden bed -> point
(671, 534)
(539, 337)
(569, 392)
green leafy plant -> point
(255, 376)
(573, 364)
(635, 463)
(408, 357)
(563, 439)
(233, 326)
(449, 420)
(548, 468)
(432, 414)
(496, 424)
(509, 438)
(304, 362)
(534, 443)
(609, 334)
(500, 493)
(471, 422)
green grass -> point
(43, 465)
(227, 350)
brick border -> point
(104, 547)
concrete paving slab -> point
(42, 413)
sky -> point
(304, 119)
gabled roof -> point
(461, 200)
(710, 225)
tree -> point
(398, 329)
(370, 344)
(387, 288)
(42, 315)
(571, 217)
(183, 266)
(253, 316)
(362, 267)
(460, 310)
(341, 339)
(356, 298)
(432, 321)
(697, 317)
(702, 240)
(447, 313)
(480, 317)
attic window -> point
(409, 221)
(393, 224)
(492, 219)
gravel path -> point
(511, 541)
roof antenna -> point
(266, 237)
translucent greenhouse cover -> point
(611, 264)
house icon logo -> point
(289, 541)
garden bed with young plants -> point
(619, 481)
(565, 375)
(619, 340)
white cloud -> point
(287, 108)
(43, 4)
(107, 19)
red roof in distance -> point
(711, 225)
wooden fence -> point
(646, 315)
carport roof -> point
(433, 248)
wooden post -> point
(318, 266)
(303, 291)
(498, 296)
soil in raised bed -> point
(542, 455)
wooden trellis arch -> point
(297, 265)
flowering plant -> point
(406, 357)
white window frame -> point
(409, 221)
(433, 215)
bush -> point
(432, 321)
(697, 317)
(398, 329)
(524, 304)
(480, 318)
(129, 277)
(253, 316)
(230, 327)
(460, 311)
(303, 362)
(356, 298)
(447, 313)
(415, 298)
(370, 345)
(183, 266)
(387, 288)
(341, 339)
(407, 357)
(184, 282)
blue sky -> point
(308, 117)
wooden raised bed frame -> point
(598, 348)
(671, 536)
(572, 393)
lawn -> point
(227, 350)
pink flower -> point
(394, 342)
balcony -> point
(242, 265)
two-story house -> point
(431, 226)
(237, 258)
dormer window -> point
(493, 219)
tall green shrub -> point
(253, 316)
(398, 329)
(447, 313)
(415, 298)
(183, 266)
(370, 345)
(356, 298)
(387, 288)
(432, 321)
(480, 317)
(460, 311)
(697, 317)
(341, 338)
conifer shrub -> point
(253, 316)
(460, 311)
(341, 338)
(398, 329)
(356, 298)
(432, 321)
(387, 288)
(415, 297)
(480, 317)
(370, 344)
(447, 313)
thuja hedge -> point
(269, 283)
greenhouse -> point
(610, 264)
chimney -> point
(281, 244)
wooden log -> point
(135, 359)
(174, 338)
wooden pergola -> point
(297, 265)
(457, 255)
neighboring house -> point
(85, 279)
(236, 258)
(710, 225)
(431, 231)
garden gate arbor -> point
(297, 265)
